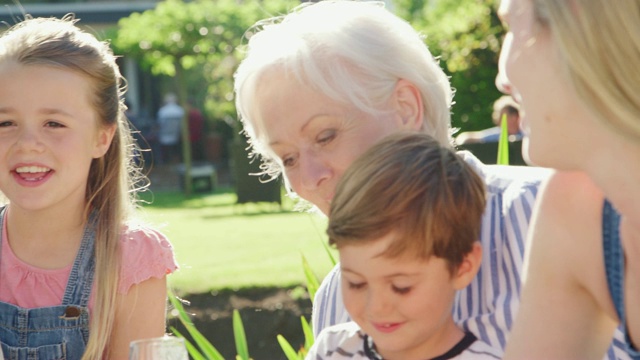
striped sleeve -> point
(488, 305)
(328, 308)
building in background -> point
(98, 17)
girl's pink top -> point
(146, 253)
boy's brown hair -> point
(410, 184)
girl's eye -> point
(401, 290)
(326, 137)
(5, 123)
(356, 286)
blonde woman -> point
(573, 65)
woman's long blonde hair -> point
(600, 42)
(112, 178)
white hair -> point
(353, 52)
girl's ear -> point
(407, 102)
(468, 268)
(103, 141)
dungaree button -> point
(72, 312)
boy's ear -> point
(468, 268)
(407, 101)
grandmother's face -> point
(313, 137)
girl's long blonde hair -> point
(111, 185)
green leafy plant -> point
(503, 143)
(240, 337)
(313, 283)
(331, 258)
(203, 349)
(289, 351)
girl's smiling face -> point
(48, 135)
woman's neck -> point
(616, 172)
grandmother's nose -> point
(314, 171)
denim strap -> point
(80, 280)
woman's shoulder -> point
(572, 196)
(570, 208)
(568, 220)
(146, 253)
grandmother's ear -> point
(407, 101)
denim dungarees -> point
(57, 332)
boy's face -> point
(403, 303)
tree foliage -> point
(194, 43)
(201, 37)
(466, 35)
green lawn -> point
(222, 245)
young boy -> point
(406, 219)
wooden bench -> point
(203, 176)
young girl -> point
(77, 279)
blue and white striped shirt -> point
(487, 307)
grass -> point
(219, 244)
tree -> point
(198, 39)
(466, 35)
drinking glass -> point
(160, 348)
